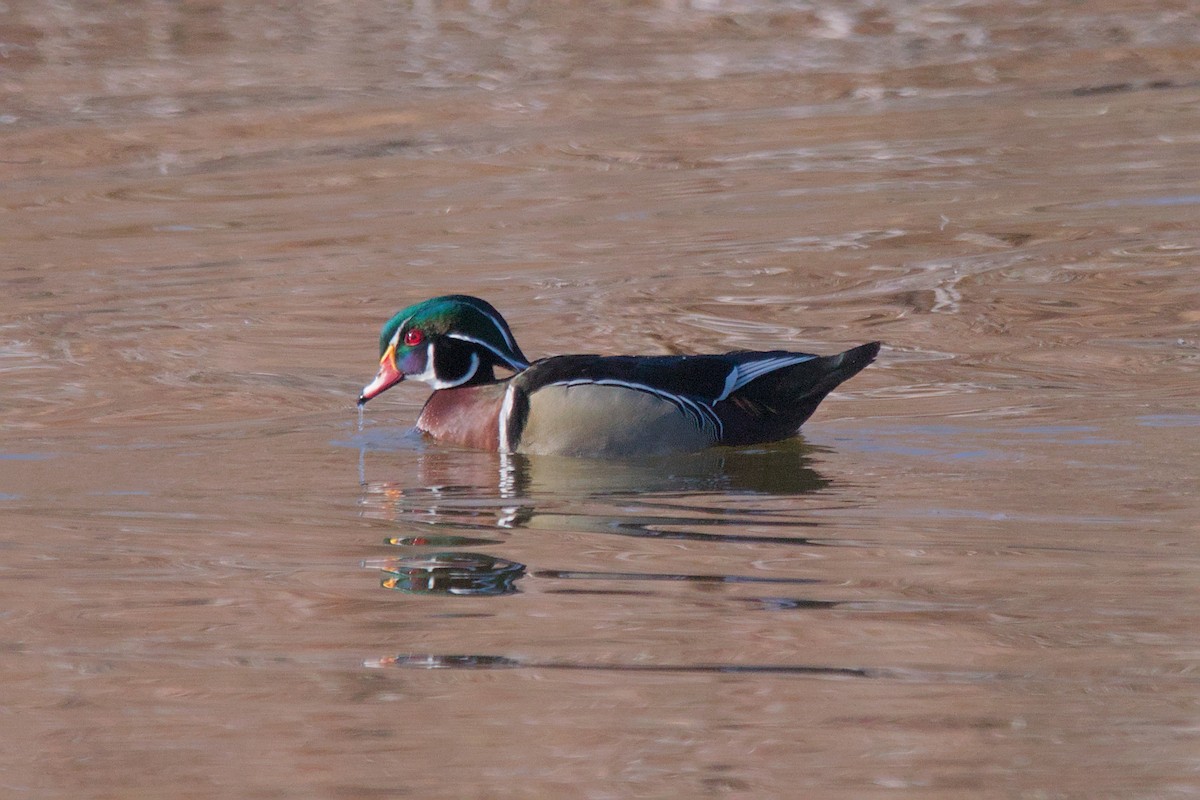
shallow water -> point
(974, 575)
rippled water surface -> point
(975, 574)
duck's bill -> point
(388, 377)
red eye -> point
(413, 338)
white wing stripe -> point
(742, 374)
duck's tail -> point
(775, 405)
(846, 365)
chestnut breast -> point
(468, 415)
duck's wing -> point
(694, 401)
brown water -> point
(975, 575)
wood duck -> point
(590, 405)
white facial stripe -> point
(396, 336)
(469, 374)
(507, 359)
(429, 374)
(500, 327)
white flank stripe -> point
(506, 410)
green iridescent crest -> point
(460, 317)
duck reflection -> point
(468, 500)
(780, 469)
(451, 573)
(682, 496)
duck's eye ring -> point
(413, 338)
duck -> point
(606, 406)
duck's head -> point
(448, 341)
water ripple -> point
(497, 662)
(428, 661)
